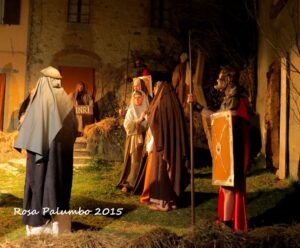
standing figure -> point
(231, 203)
(137, 85)
(181, 80)
(135, 126)
(141, 68)
(168, 172)
(142, 186)
(81, 97)
(48, 134)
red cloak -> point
(241, 140)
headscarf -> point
(134, 112)
(44, 117)
(143, 89)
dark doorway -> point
(73, 75)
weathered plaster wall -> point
(294, 121)
(13, 56)
(265, 57)
(277, 40)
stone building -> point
(279, 60)
(13, 57)
(87, 40)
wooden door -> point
(73, 75)
(2, 97)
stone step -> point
(81, 160)
(80, 140)
(80, 152)
(80, 145)
(78, 166)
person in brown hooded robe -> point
(168, 173)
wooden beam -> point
(281, 173)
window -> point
(1, 11)
(79, 11)
(160, 14)
(10, 12)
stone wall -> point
(278, 41)
(13, 57)
(101, 44)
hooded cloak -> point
(169, 175)
(44, 117)
(48, 134)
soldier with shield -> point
(230, 149)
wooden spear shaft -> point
(126, 78)
(191, 137)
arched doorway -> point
(72, 75)
(78, 65)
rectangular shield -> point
(222, 148)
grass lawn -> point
(269, 201)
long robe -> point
(133, 144)
(169, 164)
(142, 185)
(235, 100)
(48, 134)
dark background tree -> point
(224, 32)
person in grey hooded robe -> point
(48, 133)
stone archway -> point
(78, 65)
(84, 58)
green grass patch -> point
(94, 188)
